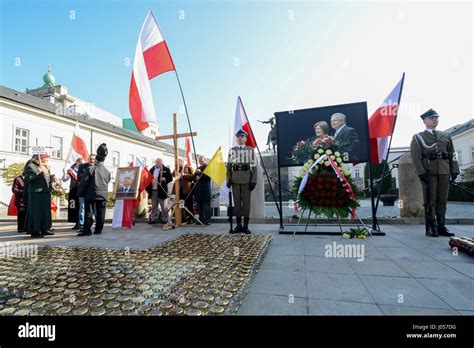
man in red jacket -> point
(17, 189)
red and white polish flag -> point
(381, 124)
(187, 149)
(152, 58)
(78, 149)
(242, 122)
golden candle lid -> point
(13, 301)
(166, 304)
(38, 305)
(138, 299)
(226, 294)
(207, 297)
(216, 310)
(116, 313)
(155, 301)
(156, 312)
(26, 303)
(200, 305)
(81, 311)
(73, 285)
(143, 287)
(54, 306)
(42, 297)
(176, 311)
(8, 311)
(64, 310)
(113, 291)
(107, 297)
(94, 296)
(144, 309)
(80, 302)
(123, 298)
(222, 302)
(147, 293)
(128, 306)
(193, 312)
(56, 298)
(112, 305)
(96, 303)
(22, 312)
(99, 311)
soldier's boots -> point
(239, 227)
(246, 226)
(431, 230)
(443, 230)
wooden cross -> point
(175, 136)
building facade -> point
(47, 117)
(463, 140)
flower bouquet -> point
(326, 188)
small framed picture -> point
(127, 181)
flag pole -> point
(385, 166)
(187, 116)
(263, 163)
(182, 95)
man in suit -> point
(158, 191)
(242, 177)
(94, 189)
(126, 190)
(346, 136)
(436, 164)
(202, 192)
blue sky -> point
(290, 55)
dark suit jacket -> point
(162, 186)
(350, 142)
(202, 191)
(122, 190)
(95, 183)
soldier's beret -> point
(429, 113)
(102, 152)
(242, 133)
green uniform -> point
(434, 155)
(38, 214)
(241, 173)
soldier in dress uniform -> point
(242, 176)
(436, 164)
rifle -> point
(429, 221)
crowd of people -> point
(88, 194)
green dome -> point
(49, 79)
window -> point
(22, 140)
(357, 173)
(131, 159)
(57, 147)
(472, 154)
(459, 157)
(116, 158)
(143, 160)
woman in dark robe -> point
(38, 214)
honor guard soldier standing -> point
(436, 164)
(242, 176)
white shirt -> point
(156, 175)
(338, 130)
